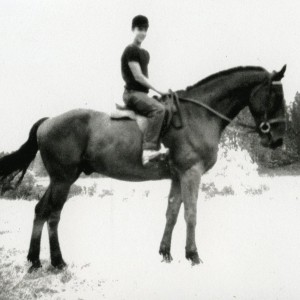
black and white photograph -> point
(149, 150)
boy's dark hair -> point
(140, 21)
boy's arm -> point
(141, 78)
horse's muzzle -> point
(276, 144)
(270, 143)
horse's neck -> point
(227, 95)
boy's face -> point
(139, 33)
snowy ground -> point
(249, 242)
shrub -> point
(92, 189)
(38, 166)
(75, 190)
(29, 190)
(26, 190)
(295, 120)
(235, 173)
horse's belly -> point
(116, 151)
(130, 171)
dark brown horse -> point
(90, 141)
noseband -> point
(264, 126)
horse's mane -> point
(223, 73)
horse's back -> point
(92, 137)
(70, 122)
(84, 124)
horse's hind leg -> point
(48, 209)
(174, 203)
(42, 212)
(60, 192)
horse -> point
(85, 140)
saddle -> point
(172, 115)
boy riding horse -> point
(134, 67)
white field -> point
(249, 243)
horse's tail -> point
(18, 161)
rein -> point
(220, 115)
(264, 126)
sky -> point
(57, 55)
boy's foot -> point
(163, 150)
(148, 155)
(151, 154)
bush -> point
(295, 121)
(235, 173)
(75, 190)
(26, 190)
(210, 189)
(38, 166)
(29, 190)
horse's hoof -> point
(165, 252)
(167, 258)
(35, 266)
(193, 257)
(59, 265)
(33, 257)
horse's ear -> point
(276, 76)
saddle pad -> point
(121, 112)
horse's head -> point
(267, 106)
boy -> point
(134, 67)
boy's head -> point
(139, 27)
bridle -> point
(264, 126)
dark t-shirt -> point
(134, 53)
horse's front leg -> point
(190, 180)
(174, 203)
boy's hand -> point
(163, 92)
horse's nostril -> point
(280, 142)
(277, 143)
